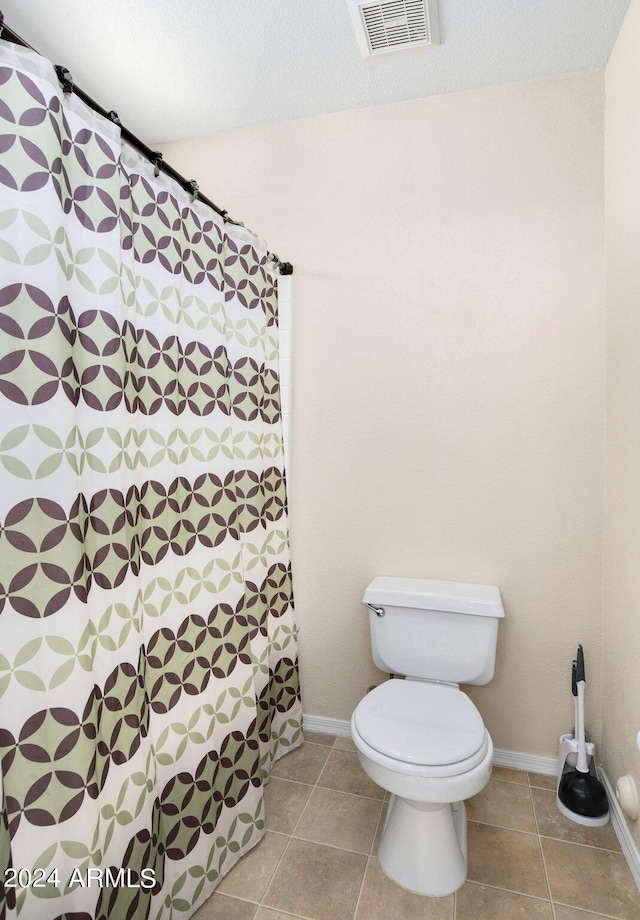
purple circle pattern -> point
(46, 348)
(103, 537)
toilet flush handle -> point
(379, 611)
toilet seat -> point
(420, 728)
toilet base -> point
(424, 846)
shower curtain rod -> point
(154, 156)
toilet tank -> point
(438, 630)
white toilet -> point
(422, 738)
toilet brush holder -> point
(567, 760)
(568, 753)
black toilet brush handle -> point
(580, 675)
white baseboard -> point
(325, 724)
(517, 760)
(620, 826)
(534, 763)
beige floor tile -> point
(343, 772)
(284, 802)
(251, 875)
(343, 743)
(509, 775)
(319, 738)
(382, 899)
(316, 881)
(551, 823)
(506, 859)
(590, 878)
(219, 907)
(303, 765)
(571, 913)
(543, 781)
(340, 820)
(476, 902)
(503, 804)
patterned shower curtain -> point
(148, 668)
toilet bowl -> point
(421, 738)
(426, 744)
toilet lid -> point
(420, 722)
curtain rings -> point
(65, 78)
(195, 188)
(157, 163)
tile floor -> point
(317, 860)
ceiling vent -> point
(394, 25)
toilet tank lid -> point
(425, 594)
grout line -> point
(383, 812)
(503, 827)
(355, 795)
(234, 897)
(588, 846)
(544, 863)
(509, 782)
(315, 785)
(285, 913)
(586, 910)
(523, 894)
(536, 833)
(273, 874)
(535, 786)
(306, 805)
(364, 875)
(276, 867)
(286, 780)
(332, 846)
(286, 848)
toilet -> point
(422, 739)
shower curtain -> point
(148, 667)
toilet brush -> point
(579, 790)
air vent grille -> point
(395, 23)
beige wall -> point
(622, 510)
(448, 372)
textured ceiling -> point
(182, 68)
